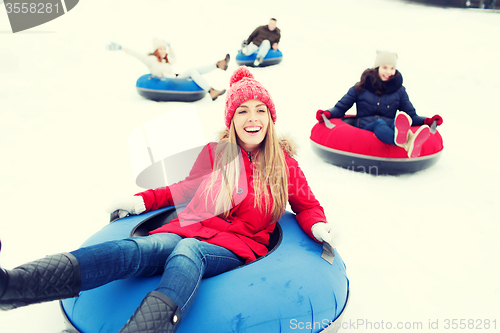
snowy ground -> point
(419, 248)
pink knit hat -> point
(243, 87)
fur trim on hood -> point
(286, 142)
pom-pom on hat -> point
(385, 58)
(243, 87)
(157, 43)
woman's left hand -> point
(437, 118)
(323, 232)
(320, 113)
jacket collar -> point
(251, 155)
(390, 86)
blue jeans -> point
(196, 75)
(182, 262)
(261, 50)
(383, 131)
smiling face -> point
(251, 120)
(385, 72)
(272, 25)
(162, 51)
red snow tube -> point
(360, 150)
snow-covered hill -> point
(418, 248)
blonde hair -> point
(269, 174)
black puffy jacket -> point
(370, 106)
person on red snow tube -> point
(383, 106)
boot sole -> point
(402, 124)
(420, 136)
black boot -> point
(156, 314)
(48, 279)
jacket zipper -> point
(378, 106)
(249, 156)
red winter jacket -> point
(246, 230)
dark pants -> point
(383, 131)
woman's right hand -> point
(133, 205)
(113, 47)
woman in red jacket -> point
(237, 190)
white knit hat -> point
(157, 43)
(385, 58)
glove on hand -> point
(127, 205)
(323, 232)
(319, 114)
(429, 121)
(114, 47)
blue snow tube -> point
(273, 57)
(290, 289)
(169, 89)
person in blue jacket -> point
(383, 106)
